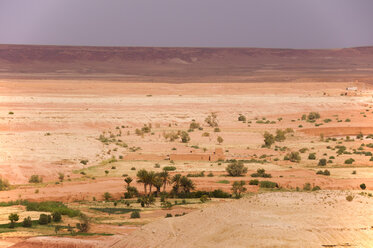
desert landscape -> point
(244, 147)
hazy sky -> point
(219, 23)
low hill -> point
(153, 64)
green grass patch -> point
(47, 206)
(223, 181)
(115, 210)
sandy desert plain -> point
(83, 137)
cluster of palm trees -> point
(161, 179)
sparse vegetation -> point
(35, 179)
(236, 169)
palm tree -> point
(176, 181)
(150, 179)
(158, 182)
(142, 176)
(165, 176)
(128, 180)
(187, 184)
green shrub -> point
(349, 198)
(254, 182)
(107, 196)
(294, 157)
(261, 173)
(35, 179)
(363, 186)
(43, 219)
(322, 162)
(50, 206)
(168, 215)
(200, 174)
(84, 161)
(169, 168)
(312, 116)
(184, 137)
(4, 184)
(236, 169)
(27, 222)
(13, 217)
(268, 184)
(303, 150)
(218, 193)
(349, 161)
(194, 125)
(312, 156)
(135, 215)
(315, 188)
(325, 172)
(269, 139)
(204, 198)
(307, 186)
(56, 216)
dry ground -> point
(56, 124)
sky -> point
(188, 23)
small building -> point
(351, 88)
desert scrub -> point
(4, 184)
(322, 162)
(349, 161)
(236, 169)
(254, 182)
(241, 118)
(35, 179)
(349, 198)
(261, 173)
(135, 215)
(325, 172)
(293, 157)
(268, 184)
(169, 168)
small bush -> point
(84, 161)
(236, 169)
(322, 162)
(44, 219)
(107, 196)
(349, 198)
(27, 222)
(316, 188)
(268, 184)
(35, 179)
(349, 161)
(294, 157)
(169, 168)
(307, 186)
(135, 215)
(363, 186)
(261, 173)
(204, 198)
(56, 216)
(241, 118)
(168, 215)
(254, 182)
